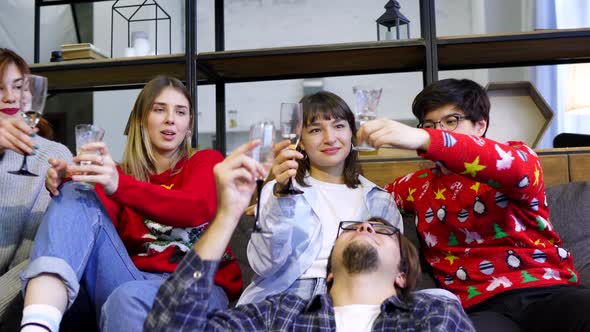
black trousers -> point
(559, 308)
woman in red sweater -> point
(121, 241)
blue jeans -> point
(308, 288)
(78, 242)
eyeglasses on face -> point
(449, 122)
(377, 226)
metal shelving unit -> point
(428, 54)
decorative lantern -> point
(392, 18)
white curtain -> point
(552, 81)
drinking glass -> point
(291, 125)
(87, 133)
(32, 102)
(366, 101)
(265, 132)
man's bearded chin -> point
(360, 258)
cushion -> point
(411, 233)
(569, 206)
(239, 244)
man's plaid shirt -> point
(181, 305)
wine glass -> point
(87, 133)
(366, 101)
(291, 125)
(32, 102)
(265, 132)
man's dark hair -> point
(409, 264)
(466, 95)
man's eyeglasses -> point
(377, 226)
(449, 122)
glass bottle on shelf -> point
(232, 117)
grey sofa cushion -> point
(570, 213)
(427, 280)
(238, 245)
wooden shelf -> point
(463, 52)
(542, 47)
(313, 61)
(109, 74)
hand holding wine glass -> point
(291, 126)
(15, 135)
(95, 165)
(86, 134)
(32, 103)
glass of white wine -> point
(265, 132)
(32, 102)
(366, 101)
(291, 125)
(87, 133)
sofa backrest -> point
(559, 165)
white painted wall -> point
(275, 23)
(17, 19)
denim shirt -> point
(291, 235)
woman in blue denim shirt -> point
(297, 232)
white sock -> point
(41, 315)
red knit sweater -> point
(485, 228)
(159, 221)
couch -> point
(570, 214)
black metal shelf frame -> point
(429, 54)
(190, 48)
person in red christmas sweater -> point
(482, 216)
(121, 241)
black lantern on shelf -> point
(392, 18)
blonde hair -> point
(138, 159)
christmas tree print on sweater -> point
(484, 225)
(165, 236)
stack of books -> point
(83, 51)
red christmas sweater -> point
(159, 221)
(485, 228)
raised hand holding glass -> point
(87, 133)
(32, 104)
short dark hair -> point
(467, 95)
(409, 264)
(327, 105)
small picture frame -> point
(518, 112)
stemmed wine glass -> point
(366, 101)
(291, 125)
(32, 102)
(265, 132)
